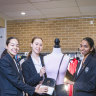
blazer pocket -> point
(11, 92)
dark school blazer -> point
(85, 81)
(11, 83)
(30, 74)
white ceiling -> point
(35, 9)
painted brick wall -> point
(70, 31)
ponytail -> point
(29, 54)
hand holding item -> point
(50, 83)
(42, 71)
(41, 90)
(50, 89)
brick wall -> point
(2, 22)
(70, 31)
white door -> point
(2, 39)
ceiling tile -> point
(60, 10)
(88, 9)
(17, 7)
(35, 1)
(28, 13)
(55, 4)
(9, 2)
(11, 9)
(86, 2)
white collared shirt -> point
(37, 64)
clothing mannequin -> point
(52, 62)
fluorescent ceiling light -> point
(23, 13)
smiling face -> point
(37, 46)
(85, 48)
(13, 47)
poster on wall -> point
(2, 39)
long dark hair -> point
(91, 44)
(7, 42)
(4, 53)
(33, 39)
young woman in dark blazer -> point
(32, 68)
(11, 81)
(85, 76)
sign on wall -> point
(2, 39)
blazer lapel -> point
(12, 63)
(14, 66)
(84, 66)
(42, 61)
(77, 68)
(30, 61)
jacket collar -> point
(11, 61)
(31, 61)
(88, 59)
